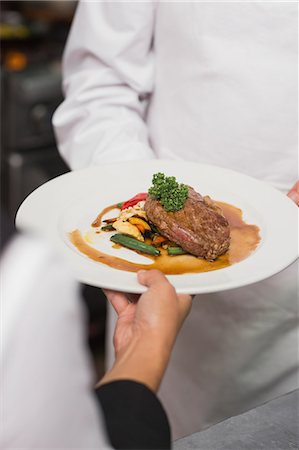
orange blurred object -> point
(15, 60)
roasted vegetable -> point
(173, 251)
(133, 244)
(154, 228)
(136, 199)
(158, 240)
(108, 227)
(138, 221)
(140, 228)
(128, 228)
(111, 220)
(132, 211)
(149, 234)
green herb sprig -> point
(171, 194)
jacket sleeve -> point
(108, 74)
(134, 417)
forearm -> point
(143, 339)
(145, 361)
(146, 331)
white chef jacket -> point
(205, 82)
(46, 378)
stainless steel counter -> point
(273, 426)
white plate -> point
(73, 200)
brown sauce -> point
(244, 240)
(97, 222)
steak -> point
(199, 227)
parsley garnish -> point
(171, 194)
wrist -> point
(144, 360)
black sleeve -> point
(135, 418)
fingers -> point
(152, 278)
(185, 303)
(294, 193)
(118, 300)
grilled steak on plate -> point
(199, 227)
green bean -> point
(172, 251)
(134, 244)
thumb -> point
(153, 279)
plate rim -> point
(138, 288)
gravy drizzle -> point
(244, 240)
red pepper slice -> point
(134, 200)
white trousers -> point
(236, 350)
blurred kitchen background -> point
(32, 36)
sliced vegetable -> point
(149, 234)
(108, 227)
(134, 200)
(158, 240)
(138, 221)
(111, 220)
(140, 228)
(172, 251)
(133, 211)
(148, 241)
(127, 228)
(133, 244)
(154, 228)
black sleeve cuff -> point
(135, 418)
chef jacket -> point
(210, 82)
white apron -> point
(206, 82)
